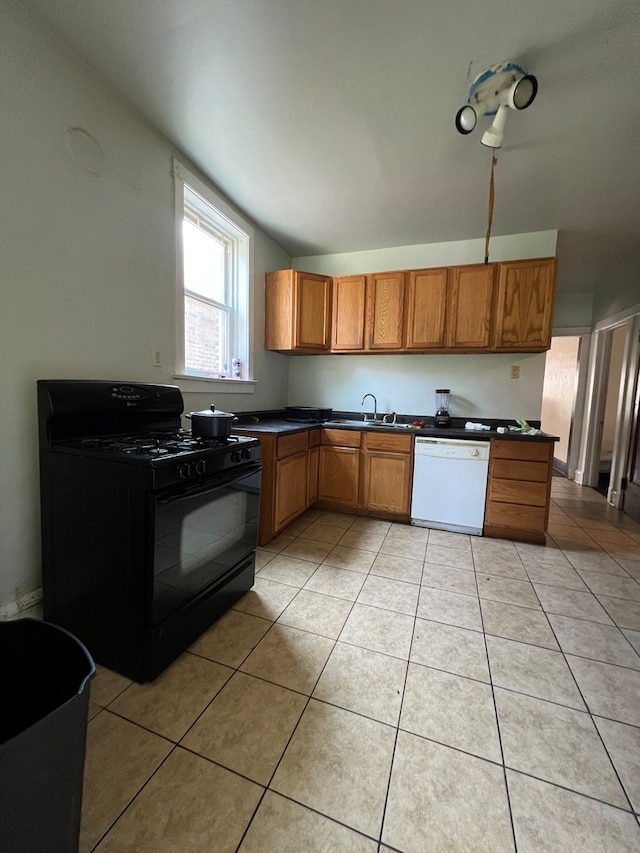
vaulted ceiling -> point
(331, 122)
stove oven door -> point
(202, 535)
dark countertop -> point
(271, 423)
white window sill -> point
(225, 386)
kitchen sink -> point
(376, 423)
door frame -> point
(598, 374)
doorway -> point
(610, 408)
(559, 397)
(610, 435)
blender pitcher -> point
(442, 417)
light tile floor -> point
(388, 688)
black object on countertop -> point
(307, 414)
(46, 675)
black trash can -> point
(45, 688)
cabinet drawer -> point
(341, 437)
(536, 451)
(287, 445)
(513, 469)
(515, 516)
(388, 441)
(513, 492)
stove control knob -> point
(184, 471)
(201, 466)
(475, 452)
(235, 456)
(246, 454)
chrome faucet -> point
(375, 406)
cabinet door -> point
(312, 308)
(525, 305)
(296, 311)
(313, 461)
(387, 481)
(279, 288)
(426, 306)
(469, 308)
(385, 311)
(339, 475)
(349, 305)
(291, 489)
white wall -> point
(86, 264)
(559, 391)
(513, 247)
(480, 384)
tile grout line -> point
(397, 734)
(495, 711)
(267, 787)
(588, 711)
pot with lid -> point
(211, 423)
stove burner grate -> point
(157, 444)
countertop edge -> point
(281, 427)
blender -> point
(442, 417)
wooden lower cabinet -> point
(313, 463)
(387, 470)
(368, 472)
(290, 489)
(289, 484)
(338, 476)
(518, 490)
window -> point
(213, 264)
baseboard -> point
(14, 608)
(560, 467)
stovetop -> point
(176, 454)
(155, 446)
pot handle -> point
(188, 416)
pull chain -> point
(494, 160)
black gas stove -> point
(174, 456)
(148, 533)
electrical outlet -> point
(515, 371)
(156, 357)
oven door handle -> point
(214, 487)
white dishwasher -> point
(449, 484)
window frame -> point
(191, 191)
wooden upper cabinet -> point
(349, 313)
(524, 309)
(426, 308)
(385, 311)
(469, 307)
(297, 311)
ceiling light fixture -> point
(502, 87)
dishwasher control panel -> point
(447, 448)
